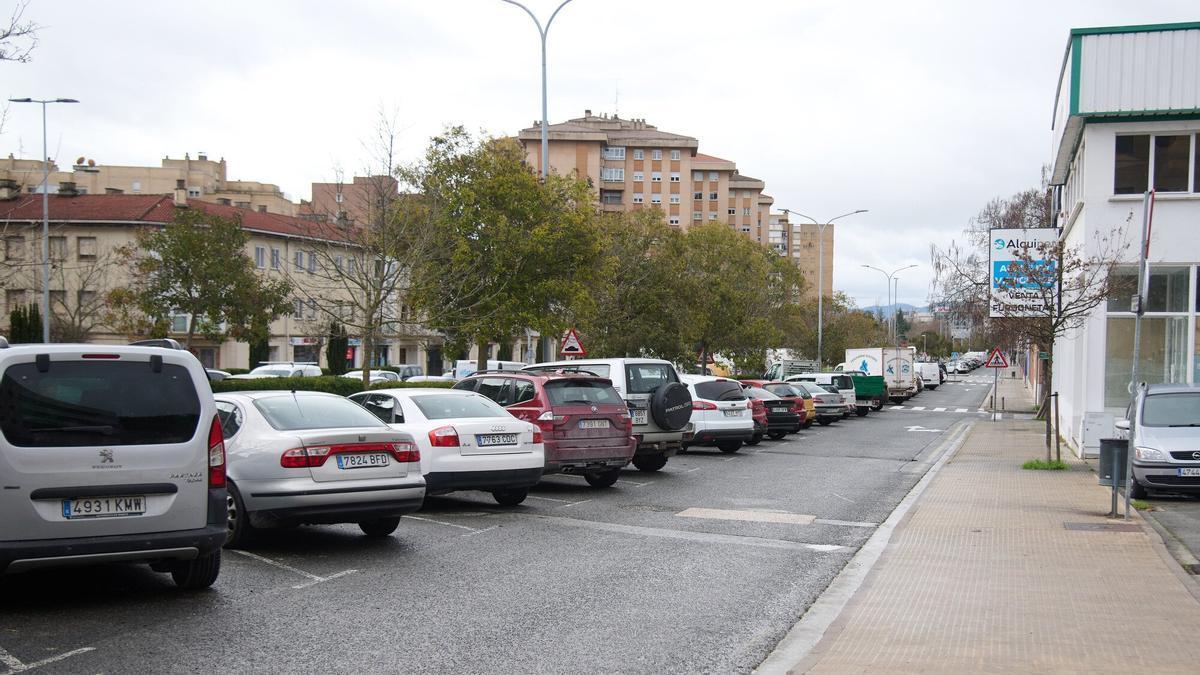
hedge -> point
(332, 384)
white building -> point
(1126, 120)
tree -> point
(25, 325)
(335, 349)
(18, 37)
(509, 251)
(197, 265)
(845, 327)
(80, 307)
(902, 325)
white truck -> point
(930, 373)
(782, 369)
(895, 365)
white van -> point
(931, 374)
(839, 383)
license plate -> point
(104, 507)
(733, 413)
(362, 460)
(593, 424)
(488, 440)
(780, 410)
(639, 415)
(1189, 471)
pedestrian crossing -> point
(945, 409)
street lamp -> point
(45, 212)
(890, 277)
(545, 122)
(821, 271)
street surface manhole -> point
(1104, 527)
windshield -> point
(761, 394)
(843, 382)
(1172, 410)
(812, 388)
(449, 406)
(644, 378)
(781, 389)
(273, 371)
(720, 390)
(562, 392)
(290, 412)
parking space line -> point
(439, 522)
(313, 579)
(324, 579)
(704, 537)
(842, 498)
(549, 499)
(581, 501)
(486, 529)
(15, 665)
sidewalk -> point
(985, 576)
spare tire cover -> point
(671, 406)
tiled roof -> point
(148, 209)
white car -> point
(375, 376)
(280, 370)
(837, 383)
(720, 412)
(467, 441)
(307, 457)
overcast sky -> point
(918, 111)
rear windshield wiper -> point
(99, 428)
(1191, 424)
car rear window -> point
(289, 412)
(644, 378)
(843, 382)
(761, 394)
(782, 389)
(564, 392)
(1171, 410)
(82, 403)
(448, 406)
(720, 390)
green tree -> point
(25, 325)
(335, 349)
(197, 265)
(902, 324)
(510, 251)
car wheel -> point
(756, 439)
(825, 421)
(379, 527)
(729, 447)
(1136, 489)
(877, 406)
(862, 411)
(846, 415)
(240, 529)
(602, 479)
(807, 424)
(650, 462)
(197, 574)
(510, 497)
(776, 435)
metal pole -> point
(1137, 333)
(995, 390)
(820, 291)
(45, 232)
(1057, 434)
(545, 115)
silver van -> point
(110, 454)
(1162, 424)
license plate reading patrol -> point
(1189, 471)
(489, 440)
(104, 507)
(593, 424)
(639, 415)
(362, 460)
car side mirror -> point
(1123, 425)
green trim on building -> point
(1144, 28)
(1142, 116)
(1076, 67)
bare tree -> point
(79, 306)
(18, 37)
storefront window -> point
(1164, 356)
(1168, 290)
(305, 353)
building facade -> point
(1126, 121)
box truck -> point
(895, 365)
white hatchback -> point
(720, 412)
(467, 441)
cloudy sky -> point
(918, 111)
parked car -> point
(779, 414)
(802, 401)
(215, 375)
(110, 454)
(758, 413)
(466, 440)
(659, 403)
(409, 370)
(829, 405)
(375, 376)
(285, 369)
(1163, 426)
(586, 426)
(930, 374)
(432, 378)
(720, 412)
(837, 383)
(466, 367)
(306, 458)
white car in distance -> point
(467, 441)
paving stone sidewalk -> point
(985, 576)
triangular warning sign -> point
(996, 360)
(571, 346)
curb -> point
(803, 637)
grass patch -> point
(1043, 465)
(1140, 505)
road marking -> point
(581, 501)
(920, 428)
(842, 498)
(313, 579)
(730, 459)
(486, 529)
(918, 407)
(549, 499)
(844, 523)
(748, 516)
(896, 407)
(696, 468)
(632, 482)
(15, 665)
(939, 410)
(705, 537)
(960, 410)
(439, 522)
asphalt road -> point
(702, 567)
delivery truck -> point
(894, 365)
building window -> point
(713, 196)
(260, 257)
(674, 199)
(638, 176)
(613, 152)
(58, 248)
(697, 195)
(312, 262)
(696, 215)
(86, 247)
(637, 198)
(656, 154)
(610, 196)
(14, 248)
(297, 309)
(58, 301)
(194, 192)
(656, 198)
(179, 323)
(299, 261)
(612, 174)
(86, 299)
(746, 211)
(337, 262)
(1161, 161)
(339, 197)
(733, 212)
(697, 175)
(712, 215)
(136, 186)
(638, 154)
(1171, 159)
(674, 176)
(673, 220)
(274, 258)
(675, 155)
(655, 176)
(713, 175)
(312, 309)
(14, 298)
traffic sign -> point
(571, 345)
(996, 360)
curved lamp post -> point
(542, 31)
(890, 277)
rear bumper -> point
(20, 556)
(577, 459)
(783, 422)
(285, 502)
(705, 436)
(450, 481)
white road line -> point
(631, 482)
(842, 498)
(729, 460)
(276, 563)
(704, 537)
(844, 523)
(549, 499)
(748, 516)
(486, 529)
(918, 407)
(896, 407)
(695, 468)
(960, 410)
(15, 665)
(439, 522)
(581, 501)
(324, 579)
(939, 410)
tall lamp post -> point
(45, 212)
(821, 272)
(545, 122)
(891, 276)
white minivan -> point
(839, 383)
(110, 454)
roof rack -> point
(3, 342)
(165, 343)
(561, 370)
(493, 371)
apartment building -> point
(362, 200)
(86, 231)
(206, 180)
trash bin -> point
(1113, 449)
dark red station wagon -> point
(586, 427)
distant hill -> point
(890, 309)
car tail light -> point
(547, 421)
(216, 455)
(703, 405)
(406, 451)
(304, 458)
(626, 420)
(537, 435)
(443, 437)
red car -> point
(758, 412)
(787, 392)
(586, 426)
